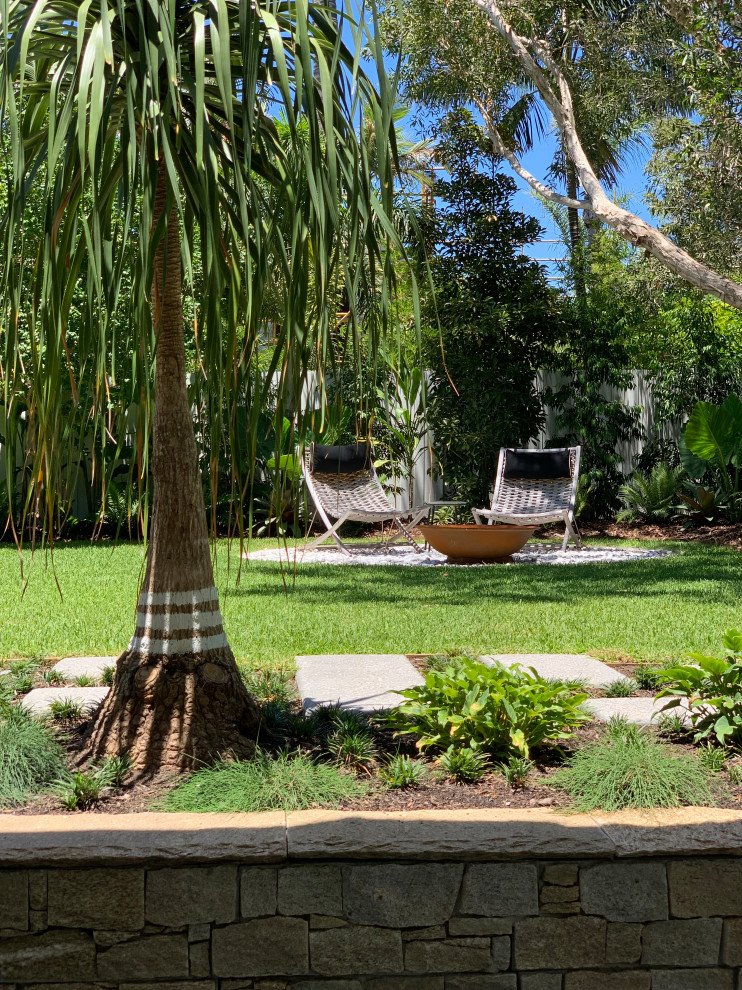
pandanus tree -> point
(155, 123)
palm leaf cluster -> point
(252, 114)
(651, 496)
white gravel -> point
(405, 556)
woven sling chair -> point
(534, 487)
(345, 487)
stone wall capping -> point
(674, 832)
(468, 835)
(145, 837)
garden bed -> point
(364, 769)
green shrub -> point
(464, 765)
(30, 758)
(107, 676)
(79, 790)
(713, 689)
(647, 676)
(66, 710)
(352, 746)
(652, 497)
(628, 768)
(268, 684)
(500, 710)
(713, 757)
(402, 772)
(620, 688)
(516, 770)
(82, 789)
(284, 783)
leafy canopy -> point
(251, 114)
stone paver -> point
(40, 699)
(72, 667)
(567, 666)
(638, 711)
(363, 681)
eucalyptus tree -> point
(164, 115)
(627, 70)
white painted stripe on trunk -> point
(166, 647)
(194, 598)
(165, 621)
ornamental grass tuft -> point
(30, 758)
(628, 768)
(287, 782)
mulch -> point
(716, 534)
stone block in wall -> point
(452, 955)
(96, 898)
(189, 895)
(423, 934)
(327, 985)
(731, 946)
(356, 950)
(623, 943)
(682, 943)
(404, 983)
(625, 980)
(500, 889)
(258, 891)
(563, 874)
(705, 888)
(14, 900)
(310, 890)
(155, 957)
(500, 981)
(263, 947)
(565, 943)
(692, 979)
(199, 959)
(322, 921)
(571, 907)
(177, 985)
(480, 926)
(49, 956)
(559, 895)
(625, 891)
(414, 895)
(540, 981)
(37, 890)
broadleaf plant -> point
(712, 689)
(499, 710)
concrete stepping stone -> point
(72, 667)
(565, 666)
(40, 699)
(639, 711)
(362, 681)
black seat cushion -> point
(537, 465)
(344, 459)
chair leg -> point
(404, 534)
(332, 531)
(571, 531)
(417, 515)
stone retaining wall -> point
(617, 905)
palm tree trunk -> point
(177, 697)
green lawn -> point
(665, 606)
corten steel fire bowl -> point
(470, 542)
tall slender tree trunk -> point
(574, 234)
(177, 697)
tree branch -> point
(627, 224)
(503, 151)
